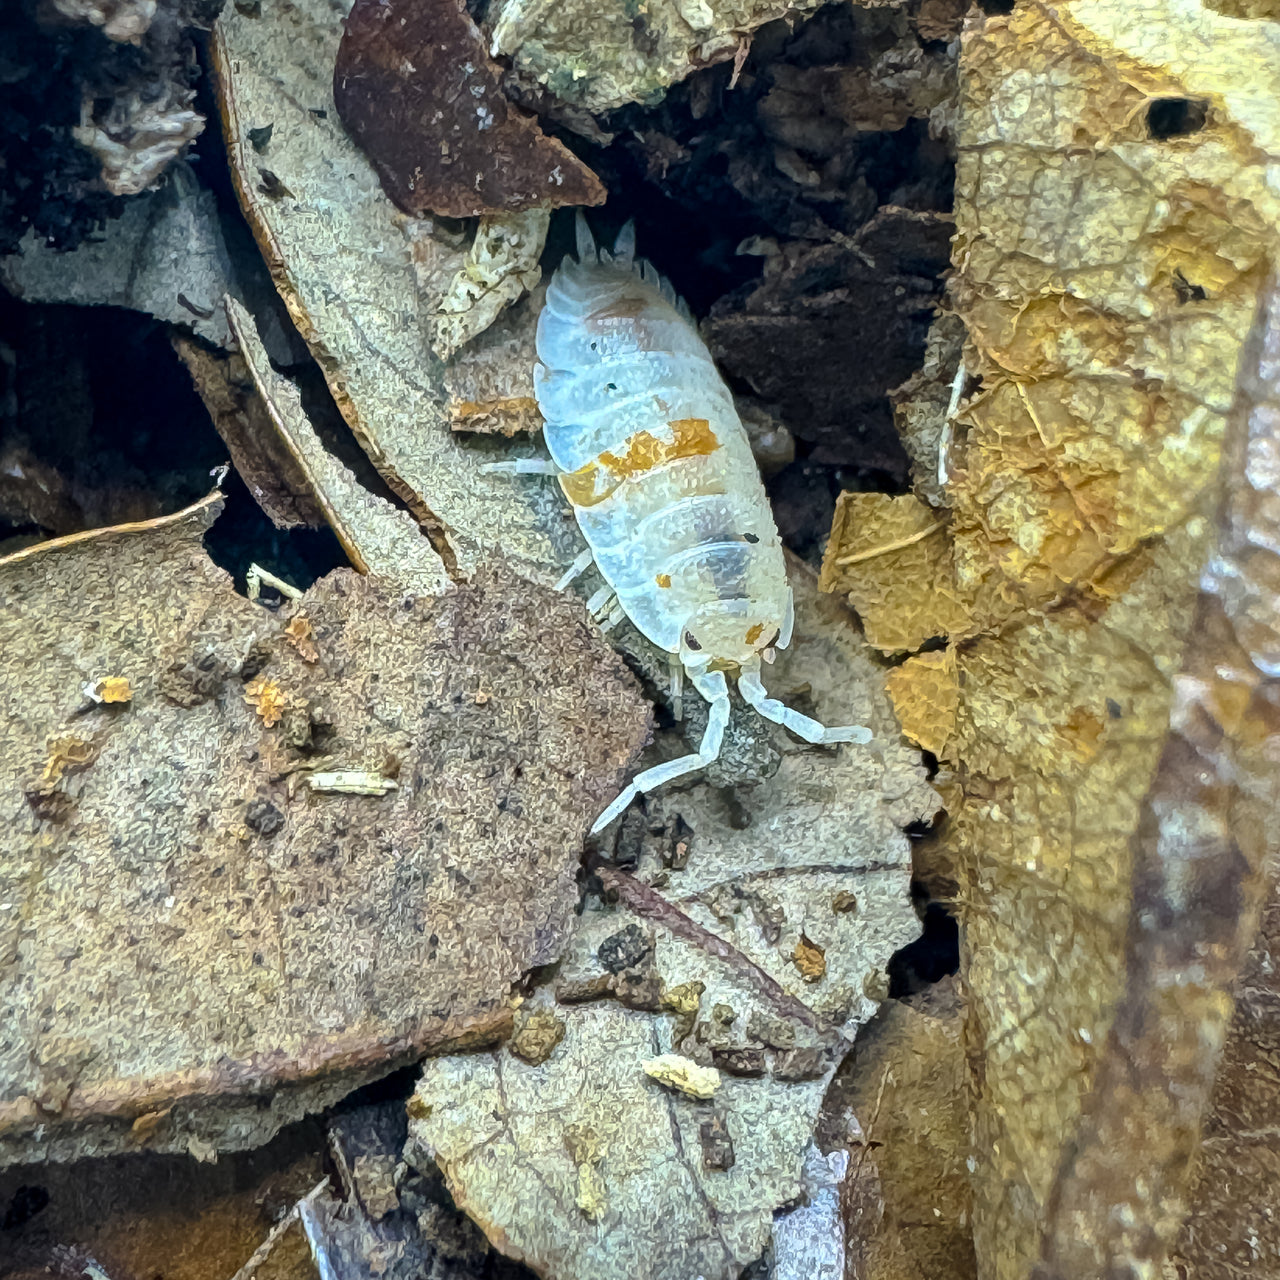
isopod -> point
(650, 452)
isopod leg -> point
(677, 688)
(601, 602)
(580, 565)
(810, 730)
(712, 687)
(616, 615)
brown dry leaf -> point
(1114, 214)
(1232, 1229)
(67, 754)
(416, 87)
(363, 284)
(267, 699)
(229, 880)
(906, 1087)
(926, 695)
(300, 633)
(259, 456)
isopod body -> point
(652, 456)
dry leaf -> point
(682, 1074)
(113, 689)
(300, 633)
(500, 267)
(697, 960)
(1111, 235)
(378, 537)
(362, 284)
(233, 883)
(892, 559)
(605, 53)
(416, 87)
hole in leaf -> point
(1176, 117)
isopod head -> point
(732, 633)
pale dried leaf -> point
(378, 537)
(182, 845)
(363, 284)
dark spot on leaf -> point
(258, 138)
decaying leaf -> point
(490, 381)
(697, 960)
(501, 265)
(892, 559)
(363, 285)
(261, 458)
(164, 255)
(904, 1094)
(1110, 259)
(1206, 834)
(604, 55)
(418, 91)
(180, 867)
(1232, 1227)
(377, 537)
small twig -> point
(652, 906)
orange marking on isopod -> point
(754, 633)
(662, 579)
(594, 482)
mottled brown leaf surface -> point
(1206, 832)
(1108, 268)
(1232, 1229)
(416, 88)
(905, 1086)
(186, 927)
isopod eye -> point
(751, 537)
(691, 641)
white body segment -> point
(659, 470)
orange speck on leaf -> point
(267, 699)
(300, 634)
(115, 689)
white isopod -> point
(648, 448)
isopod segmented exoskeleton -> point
(648, 447)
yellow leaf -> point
(810, 959)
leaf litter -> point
(1109, 262)
(159, 856)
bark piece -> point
(418, 91)
(224, 876)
